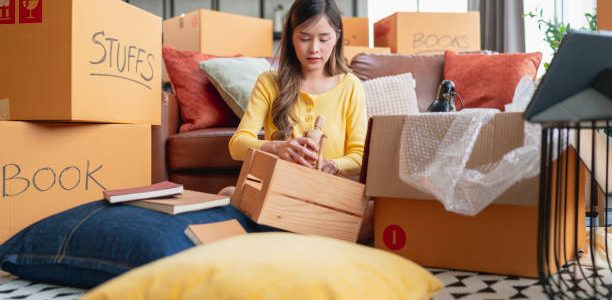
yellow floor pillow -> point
(274, 266)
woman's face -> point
(314, 43)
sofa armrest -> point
(159, 136)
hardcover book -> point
(160, 189)
(185, 202)
(208, 233)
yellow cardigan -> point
(345, 120)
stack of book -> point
(172, 198)
(167, 197)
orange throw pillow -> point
(489, 81)
(200, 104)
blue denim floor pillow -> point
(92, 243)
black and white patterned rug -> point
(472, 286)
(12, 287)
(458, 285)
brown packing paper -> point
(51, 167)
(84, 61)
(604, 14)
(411, 32)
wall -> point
(242, 7)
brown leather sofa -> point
(200, 159)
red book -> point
(156, 190)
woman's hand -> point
(330, 167)
(298, 150)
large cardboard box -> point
(412, 32)
(500, 239)
(356, 32)
(285, 195)
(94, 61)
(51, 167)
(604, 14)
(352, 51)
(593, 143)
(219, 33)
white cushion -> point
(391, 95)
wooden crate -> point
(288, 196)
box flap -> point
(501, 135)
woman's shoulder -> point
(268, 77)
(350, 78)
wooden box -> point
(288, 196)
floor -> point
(459, 285)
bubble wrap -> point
(434, 155)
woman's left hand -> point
(330, 167)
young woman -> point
(312, 80)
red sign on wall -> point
(30, 11)
(7, 11)
(394, 237)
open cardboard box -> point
(501, 239)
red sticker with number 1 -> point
(394, 237)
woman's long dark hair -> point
(289, 70)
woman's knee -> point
(227, 191)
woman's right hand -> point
(298, 150)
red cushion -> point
(489, 81)
(200, 104)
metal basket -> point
(574, 186)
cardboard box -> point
(352, 51)
(288, 196)
(356, 32)
(50, 167)
(219, 33)
(411, 32)
(594, 143)
(413, 224)
(604, 15)
(82, 61)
